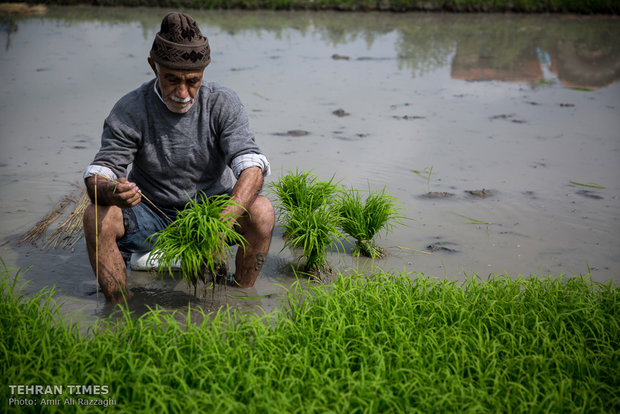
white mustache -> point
(179, 100)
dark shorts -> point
(141, 222)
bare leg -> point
(257, 227)
(111, 263)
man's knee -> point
(260, 217)
(265, 213)
(110, 219)
(89, 219)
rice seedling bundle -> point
(315, 232)
(302, 190)
(200, 238)
(364, 219)
(304, 204)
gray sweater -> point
(174, 156)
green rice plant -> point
(315, 232)
(364, 219)
(589, 185)
(384, 342)
(426, 174)
(200, 238)
(302, 190)
(304, 207)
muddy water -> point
(522, 107)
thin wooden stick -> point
(96, 245)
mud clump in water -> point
(484, 193)
(408, 117)
(340, 113)
(437, 194)
(441, 246)
(507, 117)
(292, 133)
(324, 275)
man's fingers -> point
(125, 187)
(130, 196)
(126, 193)
(134, 200)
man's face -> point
(178, 87)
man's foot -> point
(227, 280)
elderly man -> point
(183, 137)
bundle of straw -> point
(36, 231)
(69, 232)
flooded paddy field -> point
(498, 134)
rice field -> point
(528, 6)
(366, 343)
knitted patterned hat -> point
(180, 45)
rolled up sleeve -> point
(245, 161)
(99, 170)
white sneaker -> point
(141, 262)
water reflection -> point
(511, 56)
(578, 51)
(8, 26)
(504, 57)
(585, 64)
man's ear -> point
(152, 65)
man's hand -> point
(125, 194)
(121, 193)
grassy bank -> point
(383, 343)
(528, 6)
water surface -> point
(521, 106)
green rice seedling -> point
(426, 174)
(364, 219)
(303, 205)
(302, 190)
(315, 232)
(386, 341)
(589, 185)
(199, 238)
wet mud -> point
(437, 195)
(341, 112)
(484, 193)
(442, 246)
(292, 133)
